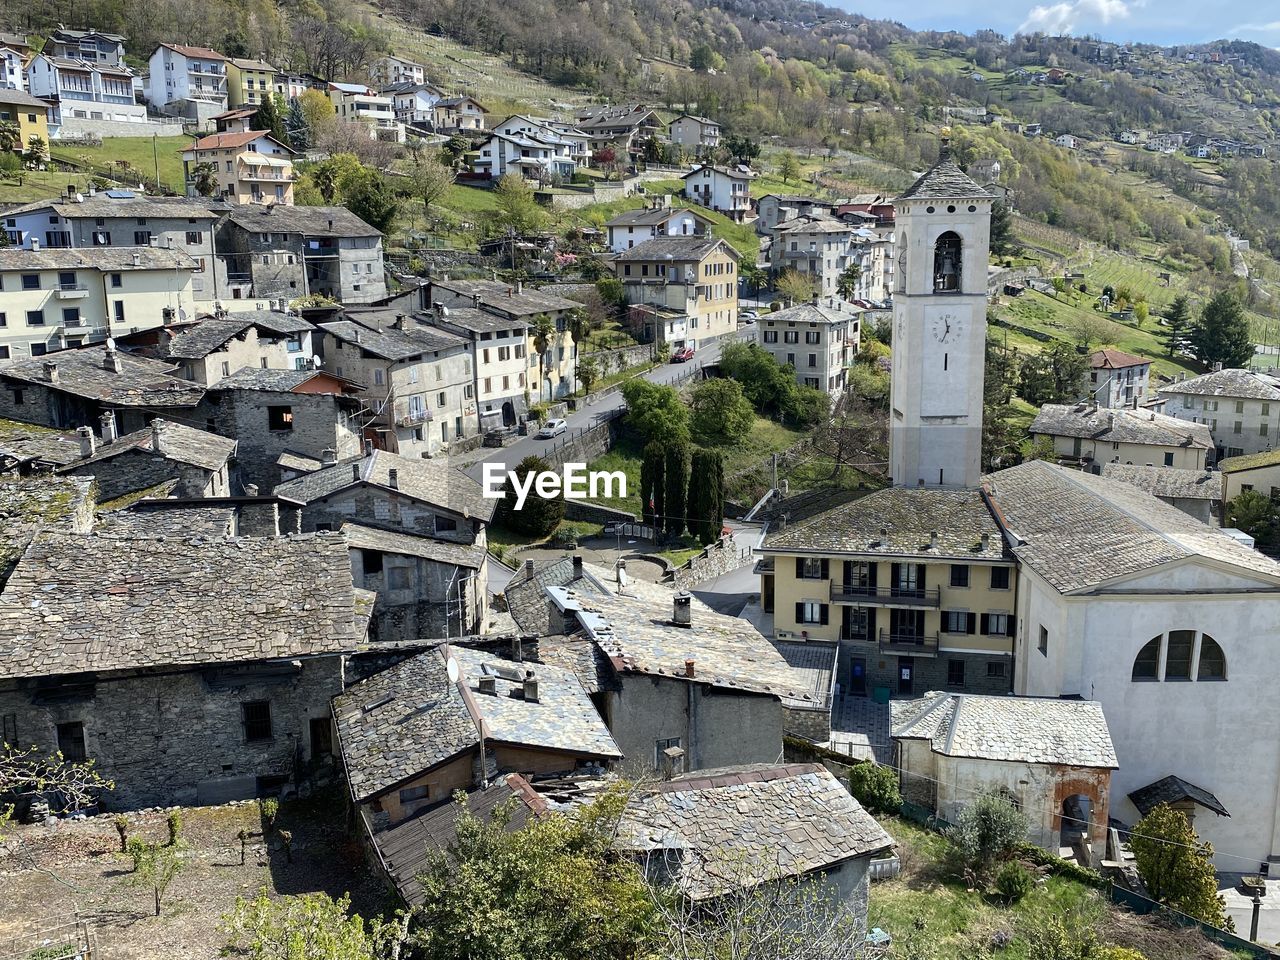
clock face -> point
(947, 328)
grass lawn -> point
(39, 185)
(139, 153)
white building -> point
(943, 224)
(697, 135)
(823, 249)
(565, 135)
(1240, 407)
(659, 220)
(354, 102)
(818, 339)
(190, 81)
(1118, 379)
(392, 69)
(13, 70)
(414, 103)
(91, 46)
(1066, 140)
(724, 190)
(79, 90)
(525, 155)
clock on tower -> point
(943, 226)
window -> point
(1213, 662)
(996, 624)
(813, 360)
(771, 336)
(1237, 427)
(995, 669)
(117, 281)
(812, 336)
(959, 575)
(4, 353)
(955, 673)
(811, 568)
(999, 578)
(255, 717)
(67, 280)
(35, 318)
(31, 281)
(791, 336)
(71, 316)
(1044, 640)
(39, 349)
(71, 741)
(279, 418)
(193, 237)
(410, 794)
(1239, 406)
(4, 320)
(957, 621)
(1168, 459)
(946, 263)
(1177, 657)
(445, 525)
(810, 611)
(142, 238)
(119, 311)
(372, 560)
(660, 747)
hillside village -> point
(950, 508)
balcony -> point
(906, 597)
(72, 291)
(414, 417)
(908, 644)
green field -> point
(126, 154)
(39, 185)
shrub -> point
(174, 821)
(268, 809)
(1013, 882)
(121, 823)
(538, 412)
(875, 787)
(988, 832)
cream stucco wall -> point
(1139, 454)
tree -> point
(875, 787)
(987, 832)
(721, 415)
(10, 136)
(1056, 374)
(1091, 331)
(554, 888)
(655, 412)
(703, 58)
(539, 516)
(544, 335)
(455, 150)
(37, 150)
(765, 382)
(1257, 515)
(788, 167)
(26, 770)
(306, 927)
(371, 199)
(653, 483)
(516, 210)
(706, 495)
(204, 178)
(1221, 334)
(332, 175)
(847, 282)
(1177, 866)
(156, 864)
(796, 287)
(1003, 241)
(588, 373)
(429, 180)
(317, 113)
(676, 474)
(295, 126)
(270, 117)
(1059, 285)
(578, 323)
(1177, 320)
(741, 148)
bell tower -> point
(943, 225)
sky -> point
(1148, 21)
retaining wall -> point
(714, 561)
(73, 127)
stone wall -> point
(811, 723)
(75, 127)
(927, 673)
(177, 736)
(584, 446)
(385, 508)
(714, 561)
(138, 469)
(594, 513)
(606, 361)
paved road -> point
(588, 415)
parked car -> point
(552, 428)
(683, 356)
(748, 316)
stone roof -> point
(25, 443)
(84, 372)
(392, 344)
(400, 723)
(1119, 426)
(1244, 384)
(1172, 790)
(207, 333)
(308, 221)
(614, 115)
(639, 638)
(1080, 531)
(247, 63)
(832, 312)
(900, 521)
(679, 249)
(283, 381)
(112, 204)
(29, 505)
(652, 216)
(431, 481)
(1168, 482)
(1250, 461)
(298, 462)
(178, 442)
(527, 599)
(816, 664)
(944, 181)
(734, 173)
(562, 719)
(103, 259)
(1109, 359)
(413, 545)
(814, 224)
(1015, 729)
(79, 603)
(19, 98)
(504, 297)
(736, 827)
(198, 53)
(230, 140)
(471, 319)
(217, 520)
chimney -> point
(528, 568)
(137, 259)
(51, 371)
(111, 360)
(35, 244)
(88, 443)
(672, 762)
(475, 299)
(530, 688)
(489, 685)
(355, 471)
(933, 540)
(331, 225)
(250, 489)
(393, 478)
(577, 567)
(986, 541)
(108, 429)
(368, 448)
(517, 650)
(682, 610)
(689, 671)
(329, 456)
(519, 287)
(157, 438)
(401, 322)
(1217, 367)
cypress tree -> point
(653, 484)
(677, 483)
(706, 495)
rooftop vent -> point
(51, 371)
(530, 688)
(682, 609)
(489, 685)
(88, 443)
(108, 429)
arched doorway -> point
(1077, 811)
(508, 414)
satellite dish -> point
(455, 674)
(315, 358)
(111, 343)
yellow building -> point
(249, 82)
(1087, 435)
(683, 290)
(1254, 471)
(248, 167)
(53, 299)
(914, 584)
(29, 113)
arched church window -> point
(1213, 662)
(946, 263)
(1147, 664)
(1177, 658)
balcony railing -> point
(911, 644)
(72, 291)
(885, 596)
(415, 416)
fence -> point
(1144, 906)
(66, 940)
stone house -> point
(1241, 408)
(213, 346)
(75, 388)
(185, 674)
(450, 734)
(1197, 493)
(1258, 471)
(285, 252)
(915, 585)
(724, 831)
(774, 209)
(1089, 435)
(683, 290)
(1052, 758)
(1118, 379)
(830, 329)
(428, 497)
(697, 135)
(279, 413)
(418, 378)
(425, 587)
(198, 462)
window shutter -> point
(799, 612)
(985, 624)
(1010, 626)
(872, 567)
(826, 568)
(871, 623)
(799, 568)
(971, 622)
(920, 570)
(823, 616)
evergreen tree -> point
(370, 198)
(1176, 320)
(1221, 335)
(1054, 375)
(296, 128)
(1002, 239)
(706, 495)
(539, 517)
(270, 117)
(1177, 866)
(677, 483)
(653, 485)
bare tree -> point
(76, 784)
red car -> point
(682, 356)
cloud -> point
(1272, 27)
(1061, 18)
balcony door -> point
(906, 626)
(859, 577)
(908, 579)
